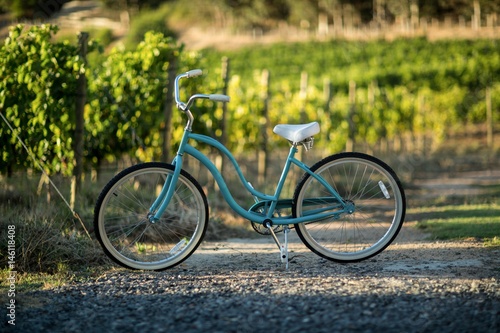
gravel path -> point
(240, 286)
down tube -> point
(222, 185)
(216, 144)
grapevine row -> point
(363, 91)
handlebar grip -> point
(219, 98)
(194, 72)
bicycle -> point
(347, 207)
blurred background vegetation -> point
(269, 13)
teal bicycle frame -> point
(270, 202)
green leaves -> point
(126, 96)
(401, 86)
(125, 99)
(406, 85)
(38, 88)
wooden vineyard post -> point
(263, 150)
(350, 117)
(303, 98)
(327, 94)
(81, 94)
(219, 158)
(224, 121)
(167, 110)
(489, 119)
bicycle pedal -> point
(259, 228)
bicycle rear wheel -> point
(379, 204)
(126, 233)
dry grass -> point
(47, 238)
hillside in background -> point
(271, 13)
(232, 23)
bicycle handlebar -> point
(194, 73)
(219, 98)
(185, 106)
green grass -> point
(30, 281)
(34, 281)
(460, 222)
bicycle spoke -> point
(127, 234)
(375, 219)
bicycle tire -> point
(126, 234)
(361, 180)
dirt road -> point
(240, 285)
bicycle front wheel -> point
(373, 190)
(123, 227)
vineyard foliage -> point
(126, 97)
(406, 85)
(37, 95)
(403, 86)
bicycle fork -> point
(160, 205)
(166, 194)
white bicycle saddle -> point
(297, 133)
